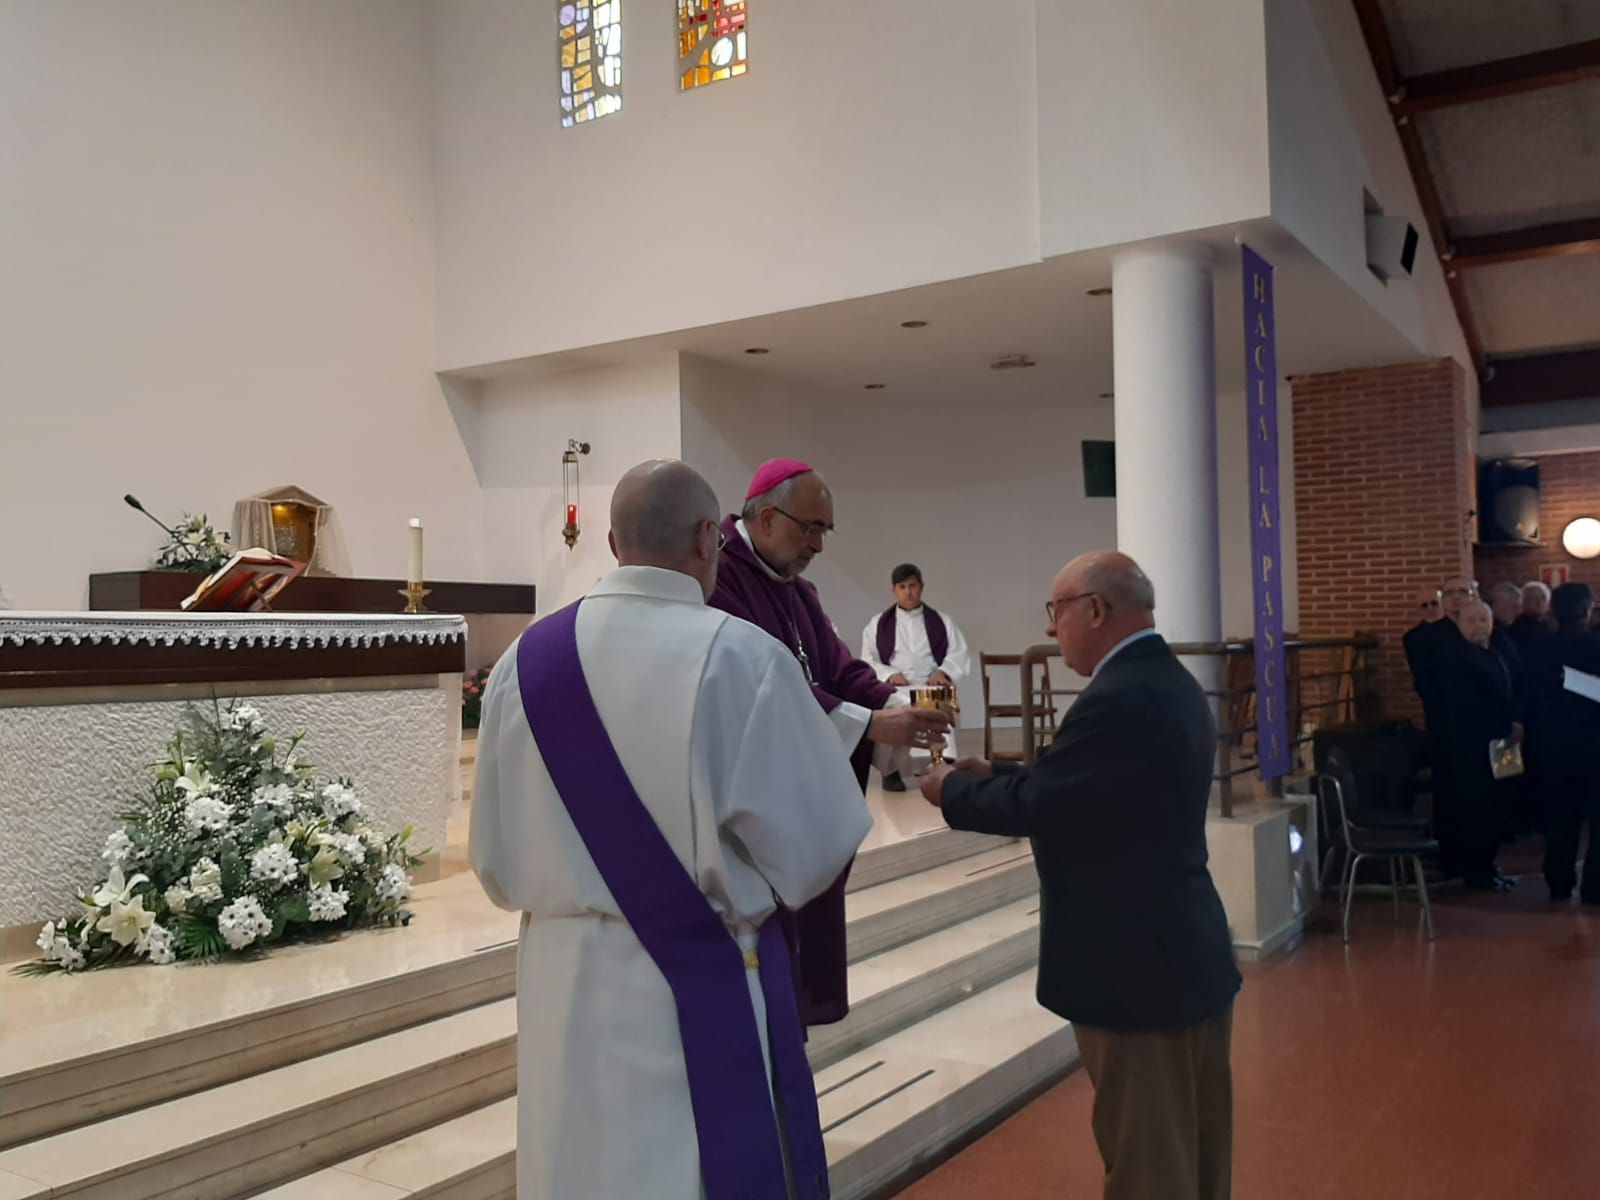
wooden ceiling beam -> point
(1538, 378)
(1493, 80)
(1521, 245)
(1381, 50)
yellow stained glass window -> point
(711, 41)
(589, 55)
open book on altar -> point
(245, 583)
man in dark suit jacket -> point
(1134, 947)
(1563, 727)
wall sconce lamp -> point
(569, 489)
(1581, 538)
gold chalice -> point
(937, 696)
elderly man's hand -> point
(933, 784)
(918, 728)
(981, 767)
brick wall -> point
(1569, 486)
(1384, 478)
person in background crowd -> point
(1534, 622)
(1563, 728)
(1478, 707)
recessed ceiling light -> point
(1012, 362)
(757, 350)
(913, 324)
(875, 387)
(1100, 291)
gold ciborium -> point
(938, 696)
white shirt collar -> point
(1119, 647)
(756, 554)
(656, 583)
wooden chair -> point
(1044, 710)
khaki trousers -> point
(1163, 1110)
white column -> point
(1164, 357)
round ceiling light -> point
(1581, 538)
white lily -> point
(116, 889)
(194, 781)
(126, 923)
(325, 866)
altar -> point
(89, 699)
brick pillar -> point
(1384, 479)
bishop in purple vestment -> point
(787, 517)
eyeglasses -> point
(1051, 607)
(811, 529)
(722, 538)
(1427, 604)
(1458, 591)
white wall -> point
(519, 427)
(1332, 136)
(1152, 119)
(870, 147)
(218, 249)
(986, 498)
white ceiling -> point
(1042, 311)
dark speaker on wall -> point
(1100, 469)
(1508, 502)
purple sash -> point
(741, 1156)
(938, 636)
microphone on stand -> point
(132, 501)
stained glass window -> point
(711, 42)
(590, 49)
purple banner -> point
(1273, 736)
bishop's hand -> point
(918, 728)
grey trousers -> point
(1163, 1110)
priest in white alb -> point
(654, 776)
(910, 644)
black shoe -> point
(893, 783)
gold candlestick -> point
(943, 698)
(414, 593)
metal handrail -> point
(1360, 674)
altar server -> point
(787, 519)
(908, 645)
(654, 777)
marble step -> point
(904, 1100)
(231, 1140)
(912, 906)
(78, 1048)
(894, 1104)
(935, 848)
(912, 981)
(73, 1050)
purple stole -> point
(741, 1152)
(938, 635)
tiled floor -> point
(1389, 1068)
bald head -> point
(1098, 600)
(660, 515)
(1476, 622)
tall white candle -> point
(414, 566)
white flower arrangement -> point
(193, 545)
(235, 846)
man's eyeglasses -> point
(1428, 604)
(1051, 607)
(811, 529)
(1462, 591)
(722, 538)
